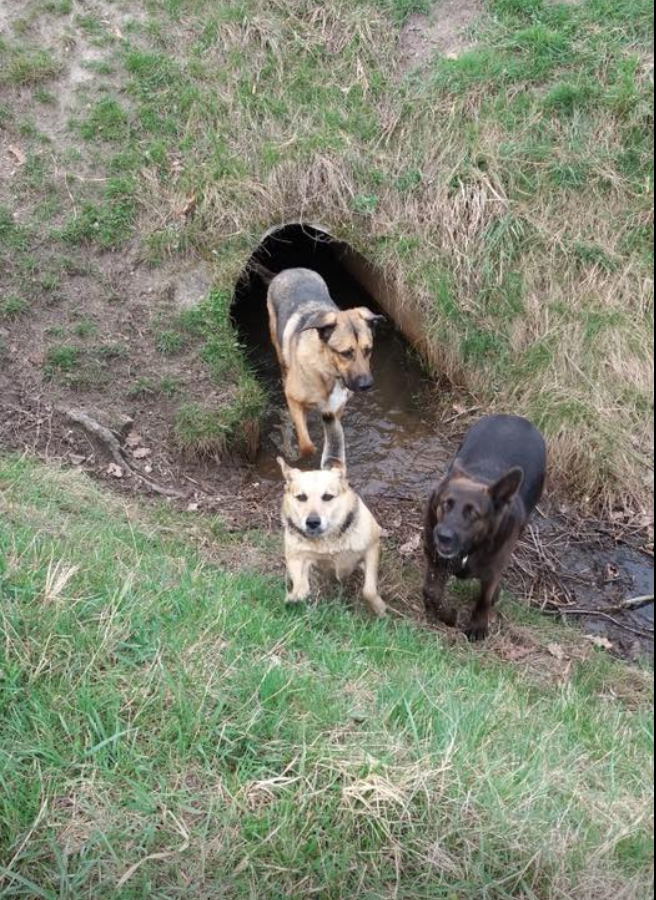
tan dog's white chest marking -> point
(328, 526)
(325, 353)
(337, 400)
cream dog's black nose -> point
(313, 524)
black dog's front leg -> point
(479, 626)
(437, 577)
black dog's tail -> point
(265, 274)
(334, 445)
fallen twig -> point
(637, 602)
(600, 614)
(104, 435)
(111, 443)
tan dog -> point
(328, 526)
(325, 354)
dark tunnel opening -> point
(391, 433)
(292, 246)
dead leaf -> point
(115, 471)
(557, 652)
(515, 653)
(134, 440)
(76, 459)
(189, 208)
(411, 547)
(18, 155)
(193, 507)
(142, 453)
(599, 641)
(611, 573)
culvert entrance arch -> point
(393, 441)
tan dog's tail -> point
(334, 444)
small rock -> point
(192, 286)
(115, 471)
(76, 459)
(411, 547)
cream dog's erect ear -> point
(287, 471)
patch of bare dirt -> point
(113, 314)
(446, 30)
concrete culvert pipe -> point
(392, 434)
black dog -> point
(478, 513)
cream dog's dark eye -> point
(348, 354)
(302, 498)
(328, 498)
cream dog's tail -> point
(334, 444)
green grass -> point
(169, 729)
(62, 359)
(106, 222)
(107, 121)
(22, 66)
(12, 307)
(170, 342)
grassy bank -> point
(168, 729)
(507, 193)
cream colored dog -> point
(328, 526)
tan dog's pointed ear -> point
(323, 322)
(370, 317)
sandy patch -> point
(445, 31)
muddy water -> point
(398, 447)
(391, 434)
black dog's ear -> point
(323, 322)
(506, 489)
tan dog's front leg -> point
(370, 592)
(298, 570)
(299, 418)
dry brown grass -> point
(590, 399)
